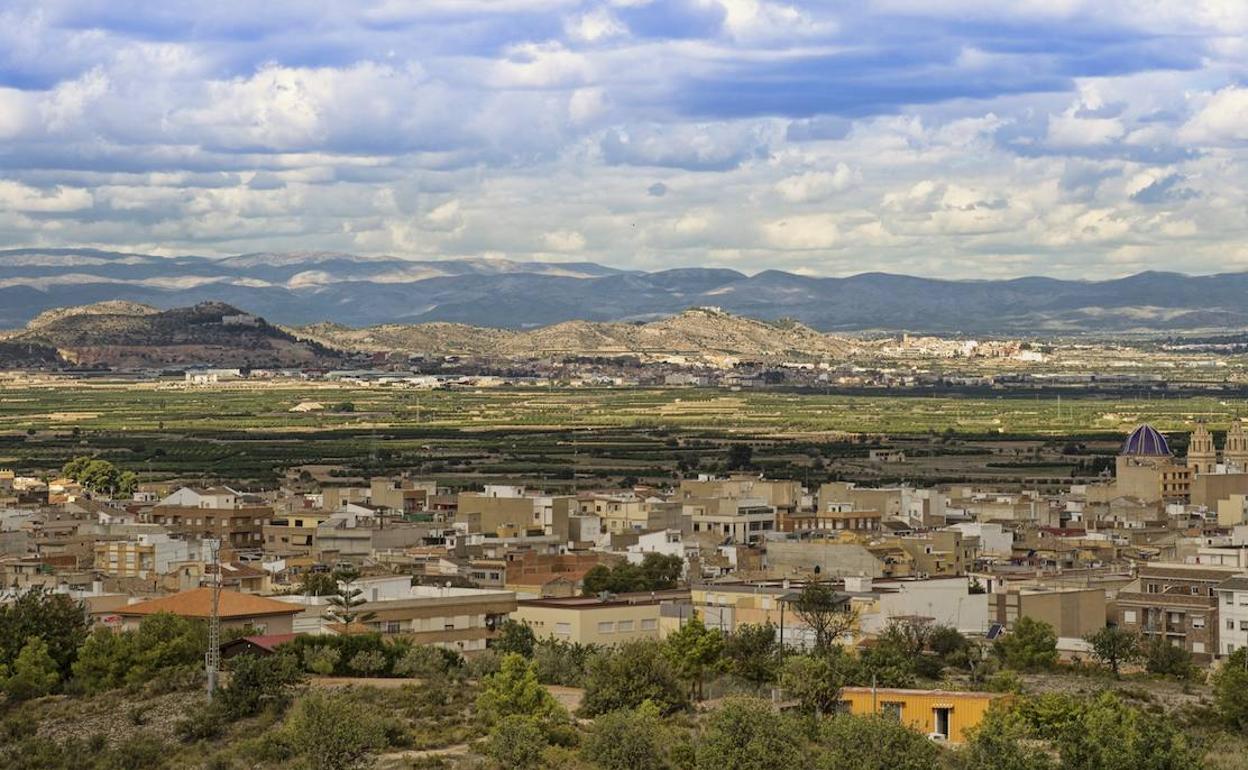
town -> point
(935, 606)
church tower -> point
(1236, 451)
(1202, 458)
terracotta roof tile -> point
(197, 603)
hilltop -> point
(696, 333)
(124, 334)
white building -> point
(994, 540)
(1233, 614)
(668, 542)
(947, 601)
(219, 498)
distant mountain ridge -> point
(315, 287)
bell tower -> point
(1202, 458)
(1235, 453)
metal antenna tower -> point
(212, 658)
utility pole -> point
(212, 658)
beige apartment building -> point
(1074, 613)
(292, 533)
(591, 620)
(142, 556)
(782, 494)
(1177, 602)
(239, 528)
(507, 511)
(462, 619)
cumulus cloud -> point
(1081, 136)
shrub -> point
(747, 734)
(629, 675)
(627, 740)
(35, 673)
(1031, 646)
(514, 690)
(333, 732)
(517, 741)
(369, 662)
(321, 660)
(257, 683)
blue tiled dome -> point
(1146, 441)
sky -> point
(960, 138)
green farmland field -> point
(166, 431)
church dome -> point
(1146, 441)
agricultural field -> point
(559, 436)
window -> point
(1243, 625)
(606, 627)
(393, 626)
(625, 626)
(1230, 625)
(563, 629)
(649, 624)
(1198, 647)
(1128, 616)
(891, 710)
(1198, 621)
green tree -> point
(1110, 735)
(627, 740)
(694, 650)
(828, 615)
(423, 661)
(514, 690)
(999, 743)
(948, 642)
(1031, 646)
(740, 456)
(628, 676)
(344, 604)
(562, 663)
(815, 681)
(110, 659)
(35, 673)
(318, 584)
(1230, 690)
(56, 619)
(661, 571)
(368, 662)
(321, 659)
(747, 734)
(1161, 656)
(885, 665)
(334, 732)
(515, 637)
(1113, 646)
(256, 683)
(655, 573)
(873, 743)
(517, 741)
(753, 653)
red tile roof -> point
(197, 603)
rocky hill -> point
(123, 334)
(700, 333)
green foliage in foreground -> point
(110, 659)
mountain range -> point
(311, 288)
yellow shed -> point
(940, 714)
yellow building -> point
(590, 620)
(940, 714)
